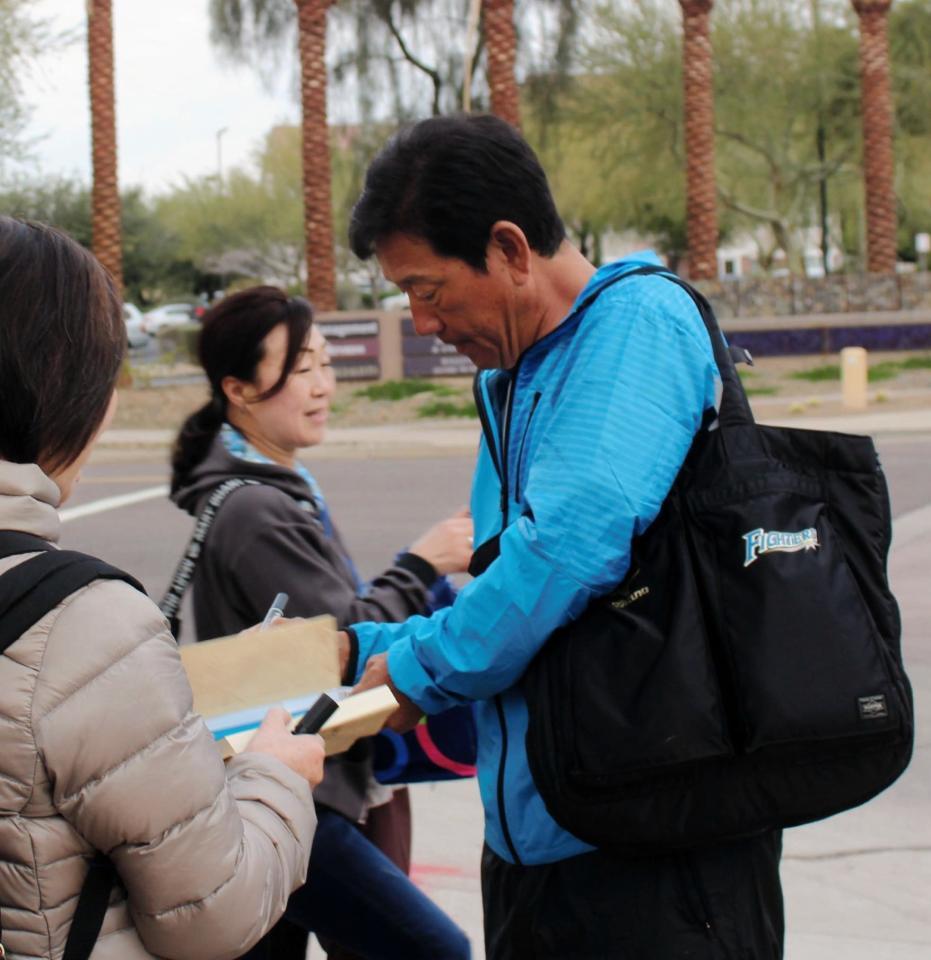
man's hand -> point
(408, 714)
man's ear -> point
(509, 244)
(238, 393)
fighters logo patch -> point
(762, 541)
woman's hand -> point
(303, 753)
(447, 545)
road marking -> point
(113, 503)
(116, 479)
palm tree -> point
(106, 239)
(878, 163)
(318, 197)
(248, 26)
(501, 40)
(701, 190)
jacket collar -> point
(29, 501)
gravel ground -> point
(771, 384)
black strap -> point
(27, 593)
(91, 909)
(170, 604)
(735, 407)
(37, 585)
(485, 554)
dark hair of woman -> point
(62, 341)
(230, 345)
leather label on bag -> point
(873, 708)
(760, 541)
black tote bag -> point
(747, 674)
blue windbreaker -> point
(588, 432)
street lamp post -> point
(219, 136)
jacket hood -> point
(220, 465)
(28, 500)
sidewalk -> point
(429, 438)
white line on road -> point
(907, 527)
(113, 503)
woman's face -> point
(296, 415)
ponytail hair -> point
(194, 438)
(231, 345)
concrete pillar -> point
(854, 377)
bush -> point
(444, 408)
(180, 340)
(401, 389)
(830, 371)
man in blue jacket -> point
(588, 414)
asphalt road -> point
(380, 505)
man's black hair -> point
(447, 180)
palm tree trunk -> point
(878, 162)
(501, 39)
(318, 203)
(106, 238)
(701, 195)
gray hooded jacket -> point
(270, 538)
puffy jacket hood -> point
(220, 465)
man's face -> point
(474, 312)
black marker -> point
(317, 715)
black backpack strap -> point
(91, 909)
(13, 542)
(37, 585)
(27, 593)
(170, 604)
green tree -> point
(786, 120)
(23, 36)
(251, 225)
(910, 54)
(152, 268)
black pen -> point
(317, 715)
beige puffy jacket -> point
(100, 750)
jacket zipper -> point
(505, 441)
(502, 464)
(523, 443)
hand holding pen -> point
(275, 611)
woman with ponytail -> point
(271, 383)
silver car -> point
(136, 335)
(169, 315)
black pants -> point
(721, 903)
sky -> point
(173, 95)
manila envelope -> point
(236, 679)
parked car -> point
(136, 335)
(169, 315)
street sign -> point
(354, 347)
